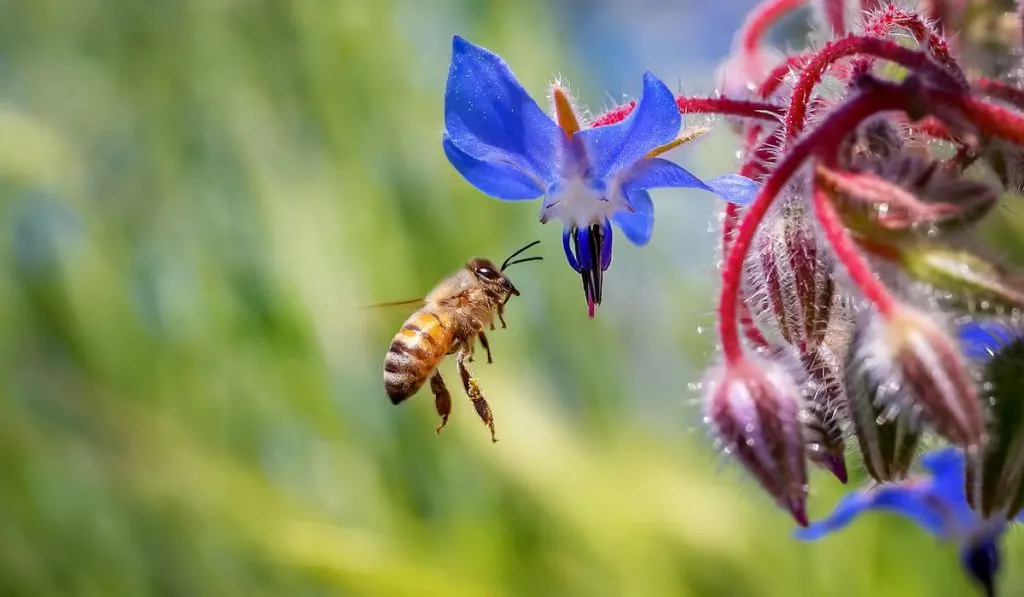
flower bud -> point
(908, 362)
(904, 195)
(824, 415)
(790, 282)
(887, 438)
(753, 408)
(970, 282)
(1000, 470)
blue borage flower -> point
(504, 144)
(938, 504)
(937, 500)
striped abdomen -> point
(415, 352)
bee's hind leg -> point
(442, 399)
(473, 391)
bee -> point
(453, 316)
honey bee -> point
(452, 318)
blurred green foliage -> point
(198, 196)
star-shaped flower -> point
(935, 501)
(505, 145)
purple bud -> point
(753, 407)
(790, 281)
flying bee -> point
(453, 316)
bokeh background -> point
(197, 197)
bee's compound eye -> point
(486, 272)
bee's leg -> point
(442, 399)
(473, 391)
(487, 347)
(501, 315)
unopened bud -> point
(966, 280)
(905, 195)
(887, 437)
(753, 407)
(1000, 470)
(789, 280)
(915, 365)
(823, 416)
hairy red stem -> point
(1000, 90)
(841, 48)
(761, 19)
(881, 24)
(846, 252)
(702, 105)
(828, 134)
(993, 120)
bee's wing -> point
(415, 301)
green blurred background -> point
(198, 197)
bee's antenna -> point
(509, 261)
(524, 260)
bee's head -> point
(491, 276)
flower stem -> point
(729, 107)
(827, 135)
(701, 105)
(893, 16)
(761, 19)
(991, 119)
(846, 252)
(1001, 91)
(841, 48)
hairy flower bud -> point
(905, 195)
(753, 407)
(968, 281)
(824, 415)
(790, 281)
(1000, 470)
(887, 438)
(910, 363)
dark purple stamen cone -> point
(753, 407)
(590, 255)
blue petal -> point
(639, 225)
(982, 339)
(734, 188)
(846, 510)
(654, 122)
(567, 246)
(489, 116)
(910, 499)
(946, 467)
(497, 179)
(654, 173)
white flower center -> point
(578, 205)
